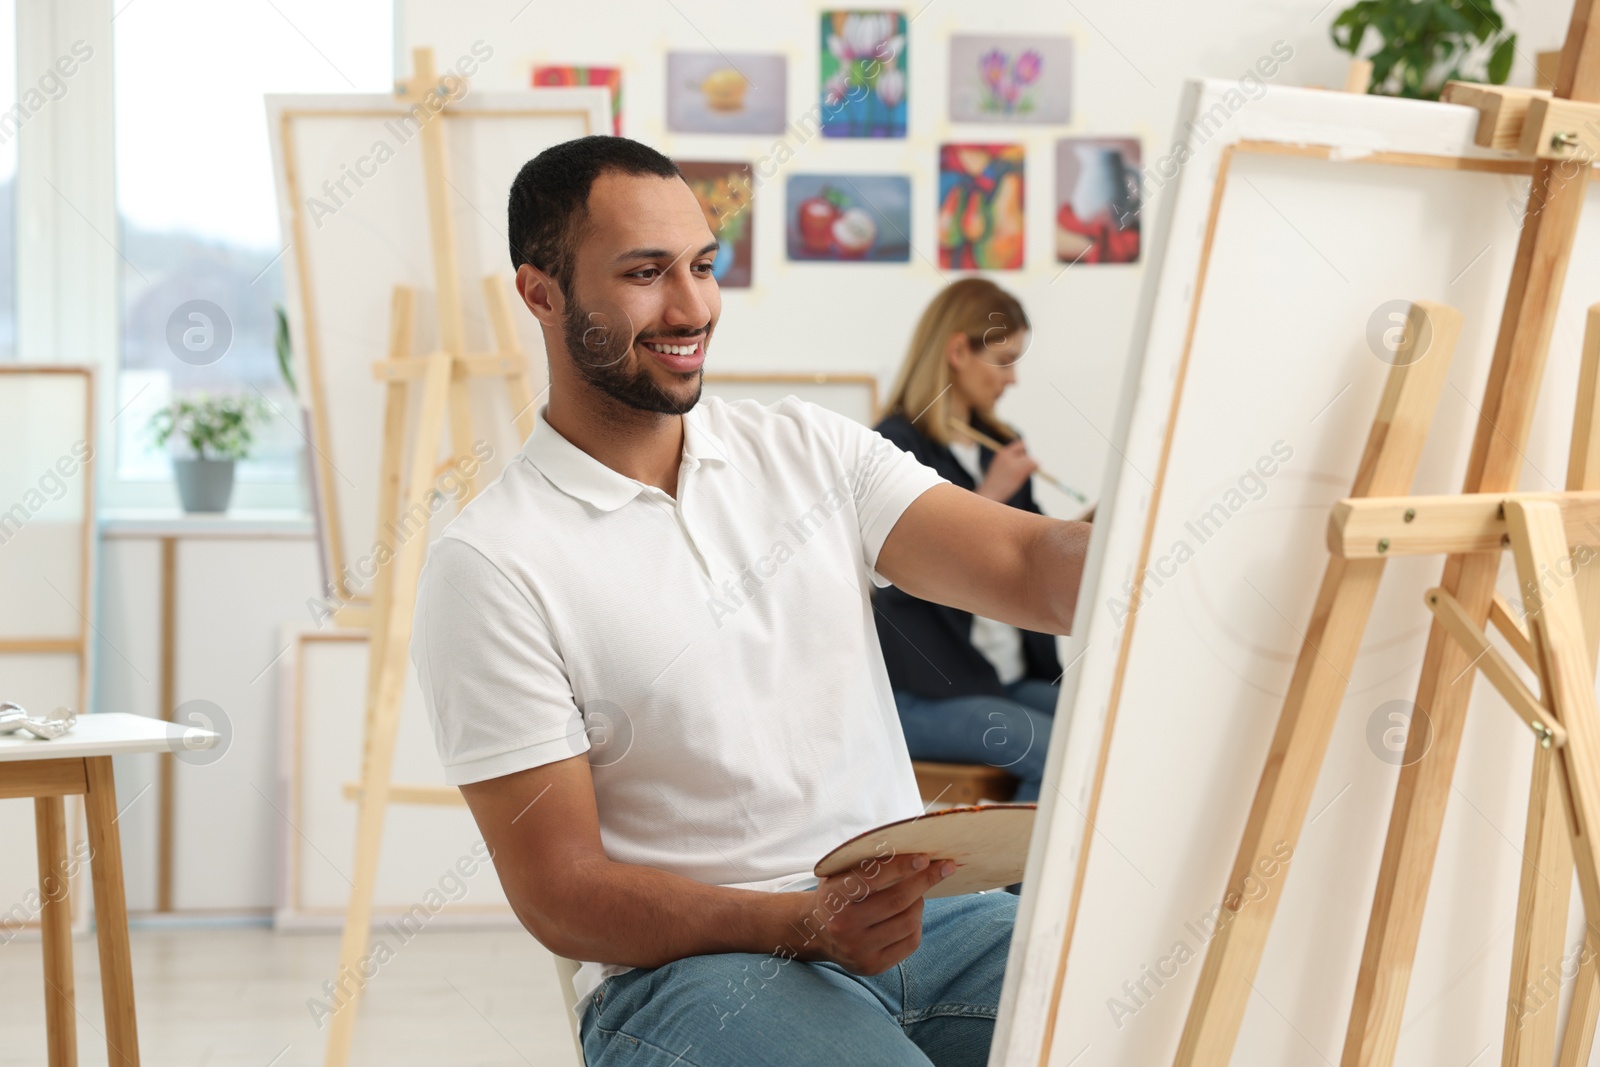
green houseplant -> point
(1425, 43)
(217, 431)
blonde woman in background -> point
(968, 689)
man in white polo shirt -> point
(650, 663)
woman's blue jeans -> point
(1010, 732)
(743, 1009)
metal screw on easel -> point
(1383, 545)
(1411, 513)
(1562, 140)
(1543, 733)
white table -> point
(79, 763)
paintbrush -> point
(994, 446)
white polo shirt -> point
(715, 655)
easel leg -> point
(111, 914)
(1579, 1038)
(1542, 904)
(389, 475)
(1446, 683)
(1566, 669)
(1547, 875)
(1311, 707)
(505, 339)
(55, 921)
(461, 432)
(383, 714)
(1585, 1013)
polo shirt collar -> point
(578, 474)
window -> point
(201, 253)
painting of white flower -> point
(863, 74)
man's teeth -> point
(672, 350)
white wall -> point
(1131, 59)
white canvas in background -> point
(320, 750)
(350, 240)
(1306, 255)
(42, 594)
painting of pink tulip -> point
(863, 74)
(1012, 79)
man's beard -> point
(600, 350)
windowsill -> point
(242, 523)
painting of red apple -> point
(850, 217)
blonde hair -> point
(973, 307)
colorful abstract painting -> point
(1097, 200)
(1010, 79)
(724, 191)
(863, 74)
(736, 92)
(849, 217)
(980, 206)
(610, 77)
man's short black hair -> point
(549, 200)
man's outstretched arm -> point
(543, 830)
(954, 547)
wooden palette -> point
(989, 843)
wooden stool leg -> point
(55, 921)
(111, 915)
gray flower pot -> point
(204, 484)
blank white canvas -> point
(320, 749)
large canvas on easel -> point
(355, 224)
(1299, 220)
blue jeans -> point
(1010, 732)
(744, 1009)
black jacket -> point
(926, 646)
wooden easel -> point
(1551, 129)
(442, 376)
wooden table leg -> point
(111, 915)
(55, 921)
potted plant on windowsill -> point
(217, 430)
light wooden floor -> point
(236, 997)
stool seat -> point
(962, 783)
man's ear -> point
(541, 295)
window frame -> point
(68, 236)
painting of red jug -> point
(850, 217)
(1097, 200)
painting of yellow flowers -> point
(724, 191)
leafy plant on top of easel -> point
(1425, 43)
